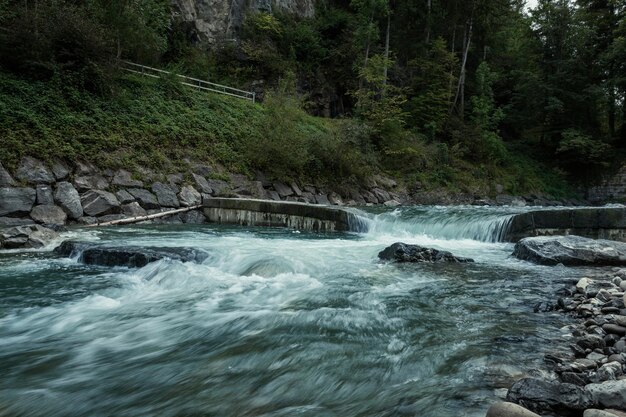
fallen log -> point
(138, 219)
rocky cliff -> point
(216, 21)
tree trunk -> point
(429, 6)
(385, 69)
(460, 91)
(138, 219)
(367, 49)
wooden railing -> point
(189, 81)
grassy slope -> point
(158, 125)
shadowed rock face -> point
(571, 251)
(401, 252)
(132, 257)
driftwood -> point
(138, 219)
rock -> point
(505, 409)
(132, 257)
(16, 201)
(124, 197)
(608, 394)
(592, 412)
(582, 284)
(392, 203)
(614, 329)
(110, 218)
(507, 200)
(193, 217)
(203, 170)
(607, 372)
(33, 171)
(578, 365)
(48, 214)
(282, 189)
(31, 236)
(545, 396)
(14, 221)
(401, 252)
(68, 199)
(175, 179)
(297, 191)
(381, 195)
(93, 182)
(100, 203)
(60, 170)
(166, 195)
(123, 178)
(88, 220)
(145, 198)
(574, 378)
(273, 195)
(322, 199)
(202, 184)
(85, 168)
(335, 199)
(133, 210)
(570, 251)
(189, 196)
(5, 178)
(218, 186)
(44, 194)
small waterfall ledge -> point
(300, 216)
(596, 223)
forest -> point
(429, 90)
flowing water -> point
(277, 323)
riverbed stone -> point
(16, 201)
(92, 182)
(123, 178)
(68, 199)
(166, 195)
(614, 329)
(48, 214)
(29, 236)
(100, 203)
(607, 372)
(402, 252)
(193, 217)
(133, 210)
(609, 394)
(593, 412)
(33, 171)
(549, 396)
(5, 178)
(571, 251)
(15, 221)
(189, 196)
(582, 284)
(505, 409)
(145, 198)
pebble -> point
(582, 285)
(505, 409)
(615, 329)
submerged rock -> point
(571, 251)
(93, 254)
(547, 396)
(402, 252)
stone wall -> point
(611, 190)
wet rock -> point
(575, 378)
(607, 372)
(16, 201)
(93, 182)
(570, 251)
(592, 412)
(44, 194)
(282, 189)
(5, 178)
(401, 252)
(505, 409)
(60, 170)
(68, 199)
(166, 195)
(145, 198)
(123, 178)
(189, 196)
(193, 217)
(132, 257)
(335, 199)
(14, 221)
(577, 365)
(124, 197)
(33, 171)
(133, 210)
(48, 214)
(614, 329)
(100, 203)
(381, 195)
(545, 396)
(608, 394)
(392, 203)
(30, 236)
(322, 199)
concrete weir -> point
(300, 216)
(596, 223)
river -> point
(278, 322)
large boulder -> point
(189, 196)
(68, 199)
(124, 178)
(133, 210)
(44, 194)
(60, 170)
(145, 198)
(30, 236)
(91, 182)
(549, 396)
(402, 252)
(166, 195)
(202, 184)
(609, 394)
(571, 251)
(5, 178)
(132, 257)
(33, 171)
(16, 201)
(100, 203)
(48, 214)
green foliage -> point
(581, 154)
